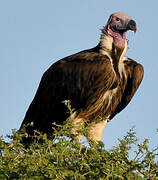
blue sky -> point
(36, 33)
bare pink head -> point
(117, 26)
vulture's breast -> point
(111, 99)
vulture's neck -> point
(108, 47)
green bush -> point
(64, 158)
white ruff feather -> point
(107, 49)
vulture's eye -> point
(117, 19)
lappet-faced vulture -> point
(99, 83)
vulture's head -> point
(117, 26)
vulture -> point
(98, 82)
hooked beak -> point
(131, 25)
(127, 25)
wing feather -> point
(77, 78)
(135, 73)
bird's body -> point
(98, 82)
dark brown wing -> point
(134, 77)
(75, 78)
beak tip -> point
(132, 26)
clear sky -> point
(36, 33)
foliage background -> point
(66, 158)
